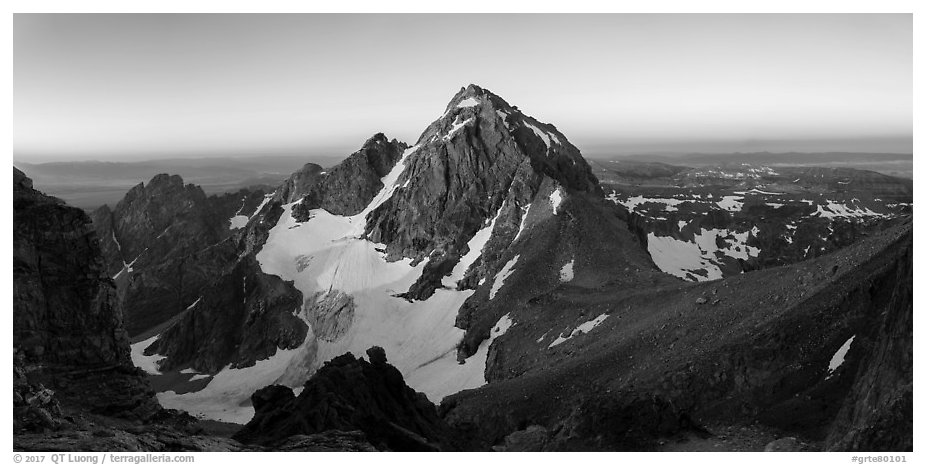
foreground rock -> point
(74, 385)
(67, 323)
(349, 394)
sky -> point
(134, 87)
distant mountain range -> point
(90, 184)
(894, 164)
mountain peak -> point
(473, 96)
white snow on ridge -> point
(523, 224)
(468, 102)
(502, 275)
(240, 221)
(838, 210)
(456, 127)
(840, 356)
(503, 116)
(583, 328)
(542, 135)
(476, 244)
(566, 273)
(149, 363)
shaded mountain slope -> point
(349, 394)
(155, 242)
(67, 321)
(751, 348)
(74, 385)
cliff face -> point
(350, 394)
(347, 188)
(68, 329)
(158, 244)
(878, 411)
(242, 318)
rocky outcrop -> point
(300, 183)
(67, 321)
(156, 242)
(244, 317)
(350, 186)
(877, 414)
(349, 394)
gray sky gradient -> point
(131, 87)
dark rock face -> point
(156, 243)
(877, 414)
(244, 317)
(349, 394)
(300, 183)
(462, 171)
(349, 187)
(329, 441)
(67, 321)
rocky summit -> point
(527, 299)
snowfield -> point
(581, 329)
(683, 259)
(149, 363)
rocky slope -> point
(74, 385)
(350, 186)
(630, 369)
(154, 242)
(67, 321)
(350, 394)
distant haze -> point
(136, 87)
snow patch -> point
(149, 363)
(542, 135)
(581, 329)
(523, 224)
(839, 210)
(566, 272)
(476, 244)
(840, 356)
(223, 397)
(468, 102)
(556, 198)
(680, 258)
(502, 275)
(456, 127)
(731, 203)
